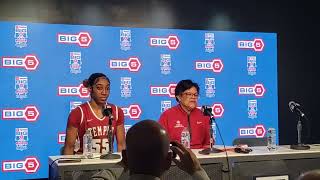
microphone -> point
(207, 111)
(295, 107)
(108, 112)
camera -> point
(174, 155)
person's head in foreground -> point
(310, 175)
(147, 151)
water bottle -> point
(214, 131)
(271, 139)
(185, 137)
(87, 144)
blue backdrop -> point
(43, 65)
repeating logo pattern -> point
(125, 40)
(252, 65)
(75, 62)
(29, 62)
(21, 87)
(216, 65)
(252, 109)
(21, 36)
(165, 64)
(258, 131)
(165, 105)
(132, 64)
(144, 66)
(209, 42)
(126, 87)
(172, 42)
(256, 45)
(29, 113)
(22, 138)
(210, 87)
(79, 90)
(29, 165)
(163, 90)
(257, 90)
(83, 39)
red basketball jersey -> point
(84, 118)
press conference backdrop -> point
(43, 65)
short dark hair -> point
(93, 78)
(139, 150)
(184, 85)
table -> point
(258, 163)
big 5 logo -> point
(29, 113)
(83, 39)
(258, 131)
(133, 64)
(133, 111)
(258, 90)
(257, 44)
(216, 65)
(28, 62)
(29, 165)
(172, 42)
(163, 90)
(80, 91)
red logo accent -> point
(84, 39)
(133, 111)
(258, 45)
(217, 110)
(259, 90)
(31, 165)
(217, 65)
(173, 42)
(260, 131)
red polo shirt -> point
(175, 119)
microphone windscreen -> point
(293, 105)
(107, 111)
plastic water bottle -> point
(87, 144)
(214, 130)
(185, 137)
(271, 139)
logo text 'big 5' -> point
(163, 90)
(256, 44)
(133, 111)
(80, 91)
(258, 90)
(29, 165)
(172, 41)
(29, 62)
(83, 39)
(215, 65)
(258, 131)
(217, 110)
(132, 64)
(29, 113)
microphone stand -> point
(299, 146)
(211, 149)
(110, 154)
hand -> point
(188, 161)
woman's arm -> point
(71, 136)
(121, 140)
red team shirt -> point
(175, 119)
(84, 118)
